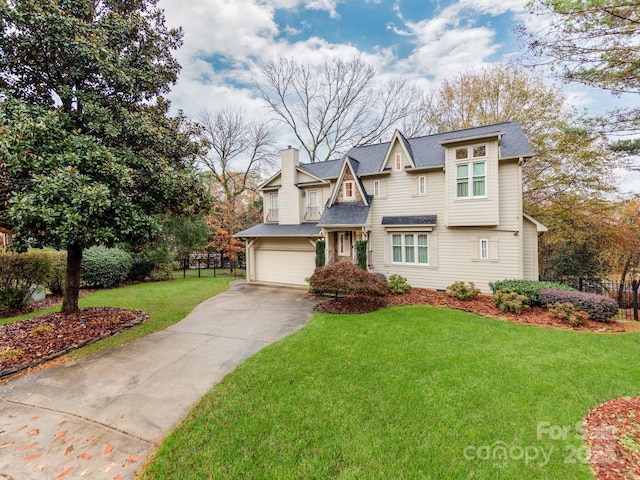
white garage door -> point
(290, 263)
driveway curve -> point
(101, 416)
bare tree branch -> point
(339, 106)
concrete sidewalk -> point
(101, 416)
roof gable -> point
(397, 138)
(349, 165)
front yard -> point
(406, 392)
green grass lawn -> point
(406, 392)
(166, 303)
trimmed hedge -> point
(56, 281)
(345, 278)
(104, 267)
(528, 288)
(19, 273)
(599, 307)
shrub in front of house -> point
(568, 313)
(345, 278)
(599, 307)
(398, 284)
(462, 291)
(56, 280)
(19, 273)
(529, 288)
(104, 267)
(509, 300)
(140, 270)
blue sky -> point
(226, 40)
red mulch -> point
(482, 305)
(30, 342)
(612, 432)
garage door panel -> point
(290, 266)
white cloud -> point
(494, 7)
(447, 44)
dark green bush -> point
(19, 273)
(398, 284)
(162, 261)
(361, 254)
(462, 291)
(320, 253)
(528, 288)
(104, 267)
(140, 270)
(509, 300)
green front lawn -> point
(166, 303)
(405, 392)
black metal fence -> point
(211, 262)
(625, 294)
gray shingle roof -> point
(426, 151)
(346, 213)
(410, 220)
(275, 230)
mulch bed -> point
(482, 305)
(612, 432)
(30, 342)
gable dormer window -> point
(349, 189)
(398, 164)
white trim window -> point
(410, 248)
(484, 249)
(376, 188)
(349, 189)
(471, 180)
(422, 185)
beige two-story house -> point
(434, 209)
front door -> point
(345, 245)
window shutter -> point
(493, 249)
(475, 246)
(383, 187)
(414, 187)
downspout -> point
(520, 221)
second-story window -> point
(376, 188)
(349, 188)
(398, 161)
(313, 211)
(273, 208)
(471, 180)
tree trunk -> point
(72, 282)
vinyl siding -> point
(530, 250)
(466, 212)
(289, 196)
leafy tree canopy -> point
(91, 155)
(593, 42)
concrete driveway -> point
(101, 416)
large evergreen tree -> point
(90, 155)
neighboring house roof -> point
(410, 220)
(275, 230)
(425, 151)
(346, 213)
